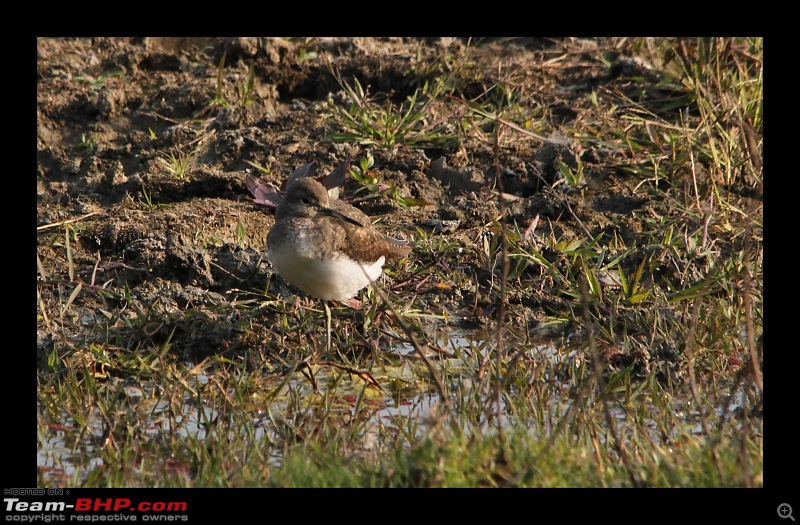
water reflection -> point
(67, 453)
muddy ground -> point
(167, 254)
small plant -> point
(304, 53)
(96, 82)
(73, 230)
(245, 91)
(573, 179)
(88, 142)
(177, 164)
(367, 123)
(370, 182)
(263, 169)
(148, 197)
(363, 175)
(207, 239)
(631, 286)
(241, 238)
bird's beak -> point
(333, 213)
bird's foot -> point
(354, 303)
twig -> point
(363, 374)
(415, 343)
(67, 221)
(497, 119)
(501, 310)
(691, 161)
(601, 384)
(690, 343)
(748, 318)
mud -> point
(172, 254)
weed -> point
(653, 379)
(263, 169)
(371, 184)
(365, 122)
(245, 91)
(88, 142)
(96, 82)
(178, 164)
(147, 196)
(241, 238)
(305, 53)
(573, 180)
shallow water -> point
(405, 410)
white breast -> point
(338, 279)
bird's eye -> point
(305, 200)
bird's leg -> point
(354, 303)
(327, 324)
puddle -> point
(57, 459)
(66, 455)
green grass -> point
(177, 165)
(244, 92)
(370, 123)
(518, 411)
(220, 424)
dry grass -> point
(658, 384)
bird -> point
(327, 248)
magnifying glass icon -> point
(785, 511)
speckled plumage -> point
(328, 249)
